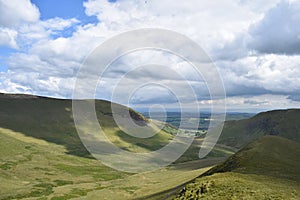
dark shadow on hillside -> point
(43, 118)
(51, 120)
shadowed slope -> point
(284, 123)
(51, 120)
(264, 169)
(269, 155)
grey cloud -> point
(154, 100)
(279, 31)
(23, 63)
(153, 95)
(294, 97)
(253, 102)
(232, 50)
(241, 90)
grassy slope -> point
(265, 169)
(51, 120)
(269, 155)
(282, 123)
(32, 168)
(41, 156)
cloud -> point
(294, 97)
(264, 74)
(20, 25)
(279, 31)
(153, 95)
(256, 103)
(211, 24)
(245, 39)
(15, 12)
(8, 37)
(37, 84)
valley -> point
(42, 157)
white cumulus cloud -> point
(14, 12)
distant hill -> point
(284, 123)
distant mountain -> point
(284, 123)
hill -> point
(41, 156)
(267, 168)
(33, 168)
(269, 155)
(51, 120)
(282, 123)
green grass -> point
(231, 185)
(269, 155)
(41, 156)
(267, 168)
(192, 153)
(51, 120)
(45, 171)
(282, 123)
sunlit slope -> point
(51, 120)
(284, 123)
(264, 169)
(34, 168)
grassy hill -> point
(51, 120)
(267, 168)
(42, 157)
(33, 168)
(284, 123)
(269, 155)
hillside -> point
(284, 123)
(33, 168)
(267, 168)
(51, 120)
(269, 155)
(41, 156)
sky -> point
(255, 47)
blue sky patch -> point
(65, 9)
